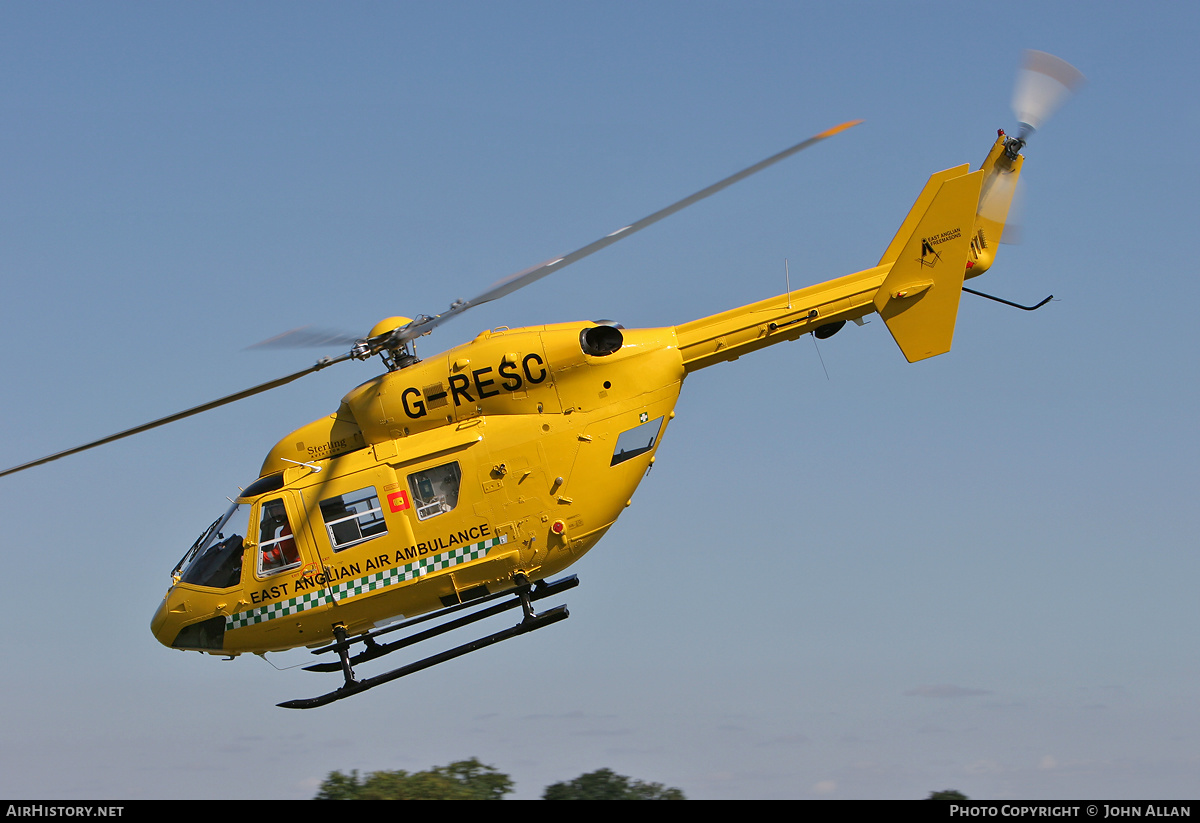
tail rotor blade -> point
(1000, 203)
(1043, 84)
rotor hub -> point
(388, 325)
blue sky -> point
(972, 572)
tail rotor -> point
(1043, 85)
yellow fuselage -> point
(514, 453)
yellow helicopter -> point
(452, 488)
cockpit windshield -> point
(215, 559)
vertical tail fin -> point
(919, 297)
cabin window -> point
(636, 441)
(276, 542)
(435, 491)
(353, 518)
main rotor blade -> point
(162, 421)
(513, 282)
(306, 337)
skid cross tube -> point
(531, 621)
(539, 591)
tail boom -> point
(730, 334)
(948, 235)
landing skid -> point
(523, 597)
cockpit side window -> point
(353, 518)
(435, 491)
(276, 543)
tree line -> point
(473, 780)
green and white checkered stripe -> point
(402, 574)
(282, 608)
(361, 585)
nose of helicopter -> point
(179, 624)
(158, 623)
